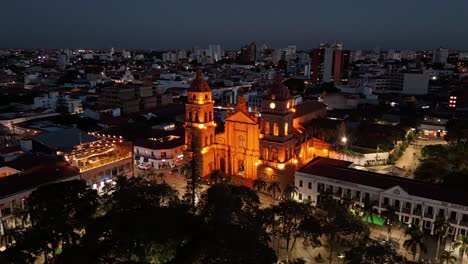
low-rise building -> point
(415, 202)
(98, 157)
(161, 148)
(21, 176)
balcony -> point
(429, 215)
(406, 210)
(453, 221)
(464, 223)
(6, 212)
(417, 212)
(105, 161)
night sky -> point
(158, 24)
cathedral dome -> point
(199, 84)
(278, 91)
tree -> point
(295, 219)
(447, 257)
(343, 228)
(216, 176)
(290, 191)
(369, 207)
(273, 188)
(374, 252)
(392, 219)
(259, 184)
(59, 214)
(441, 229)
(146, 223)
(415, 240)
(432, 170)
(139, 193)
(435, 151)
(234, 230)
(462, 245)
(185, 170)
(160, 177)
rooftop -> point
(36, 170)
(65, 139)
(340, 170)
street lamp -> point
(341, 256)
(344, 140)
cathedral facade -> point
(270, 145)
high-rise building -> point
(408, 54)
(248, 54)
(215, 51)
(330, 64)
(440, 56)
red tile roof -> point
(36, 170)
(339, 170)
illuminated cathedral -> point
(269, 145)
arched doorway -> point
(222, 165)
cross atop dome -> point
(199, 84)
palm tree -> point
(290, 191)
(369, 208)
(185, 170)
(415, 241)
(259, 184)
(392, 218)
(273, 188)
(216, 176)
(229, 179)
(447, 257)
(441, 228)
(160, 177)
(462, 244)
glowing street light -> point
(344, 140)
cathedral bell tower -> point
(276, 136)
(199, 124)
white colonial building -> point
(160, 148)
(415, 202)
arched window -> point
(286, 128)
(206, 96)
(206, 141)
(206, 117)
(190, 117)
(196, 118)
(211, 139)
(211, 116)
(275, 129)
(240, 164)
(194, 97)
(267, 128)
(274, 154)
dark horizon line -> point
(226, 50)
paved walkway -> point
(410, 158)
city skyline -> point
(165, 25)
